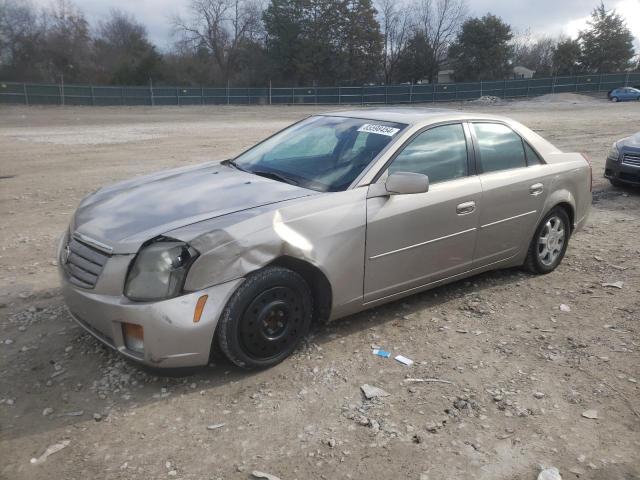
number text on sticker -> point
(379, 129)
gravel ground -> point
(526, 382)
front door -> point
(413, 240)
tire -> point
(614, 99)
(541, 258)
(266, 318)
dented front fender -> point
(326, 231)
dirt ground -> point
(524, 373)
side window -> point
(440, 153)
(532, 157)
(500, 147)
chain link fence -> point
(59, 94)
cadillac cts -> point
(335, 214)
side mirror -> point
(404, 183)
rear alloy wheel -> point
(549, 243)
(614, 99)
(266, 318)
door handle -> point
(466, 208)
(536, 189)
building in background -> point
(446, 76)
(520, 72)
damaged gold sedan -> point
(335, 214)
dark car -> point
(623, 161)
(622, 94)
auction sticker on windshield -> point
(379, 129)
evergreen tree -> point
(414, 64)
(323, 41)
(283, 24)
(362, 42)
(607, 43)
(566, 57)
(482, 49)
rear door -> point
(514, 188)
(413, 240)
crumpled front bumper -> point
(171, 338)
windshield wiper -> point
(274, 176)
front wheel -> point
(549, 243)
(614, 99)
(266, 318)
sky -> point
(540, 17)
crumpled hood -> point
(127, 214)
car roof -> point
(411, 115)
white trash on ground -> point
(56, 447)
(549, 473)
(370, 391)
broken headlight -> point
(159, 270)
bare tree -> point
(396, 26)
(67, 42)
(220, 26)
(21, 36)
(534, 53)
(440, 22)
(119, 29)
(521, 46)
(123, 52)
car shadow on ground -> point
(97, 379)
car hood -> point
(127, 214)
(633, 141)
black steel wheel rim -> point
(272, 323)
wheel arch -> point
(563, 199)
(318, 283)
(570, 212)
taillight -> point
(586, 157)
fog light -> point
(133, 337)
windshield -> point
(321, 153)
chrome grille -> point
(83, 263)
(631, 159)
